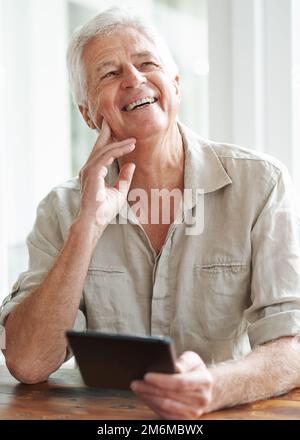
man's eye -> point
(149, 64)
(110, 74)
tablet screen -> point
(114, 361)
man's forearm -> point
(35, 342)
(269, 370)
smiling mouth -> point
(144, 102)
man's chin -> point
(147, 129)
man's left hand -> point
(183, 395)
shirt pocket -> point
(221, 292)
(106, 299)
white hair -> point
(105, 24)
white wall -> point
(252, 102)
(220, 70)
(278, 71)
(35, 99)
(37, 105)
(247, 73)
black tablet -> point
(112, 361)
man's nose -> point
(132, 77)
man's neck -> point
(159, 161)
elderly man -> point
(228, 296)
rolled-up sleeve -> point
(44, 244)
(275, 285)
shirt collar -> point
(203, 168)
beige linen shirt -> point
(220, 293)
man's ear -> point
(86, 116)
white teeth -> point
(147, 100)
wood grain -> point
(65, 397)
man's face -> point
(128, 85)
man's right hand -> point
(100, 203)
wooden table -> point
(64, 397)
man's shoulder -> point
(68, 189)
(69, 185)
(237, 157)
(250, 166)
(65, 194)
(238, 153)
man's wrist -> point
(230, 383)
(85, 227)
(215, 403)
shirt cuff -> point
(274, 326)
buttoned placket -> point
(161, 295)
(160, 318)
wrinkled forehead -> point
(121, 41)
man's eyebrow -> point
(111, 63)
(104, 65)
(143, 54)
